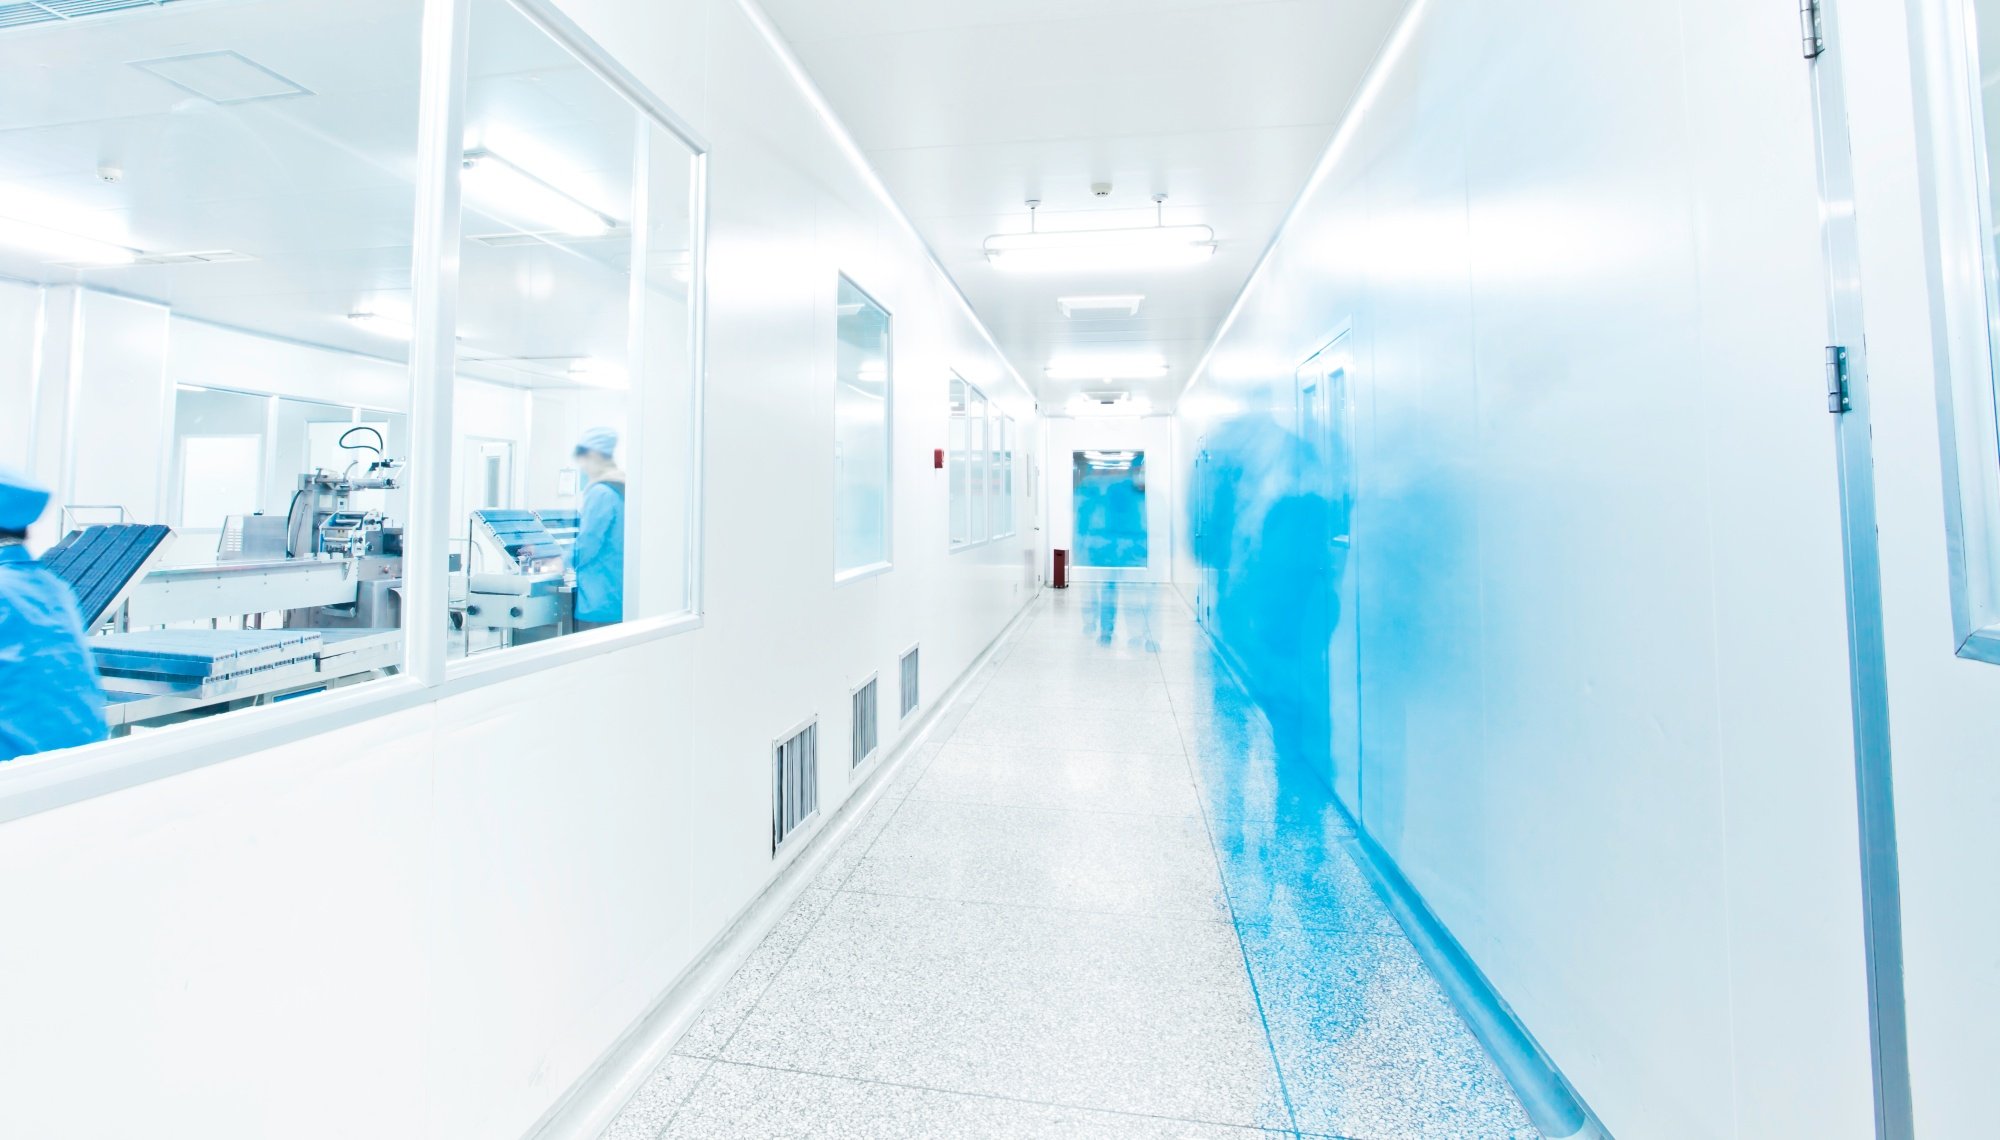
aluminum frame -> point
(1964, 279)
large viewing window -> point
(572, 407)
(861, 390)
(273, 470)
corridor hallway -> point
(1091, 903)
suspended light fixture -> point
(507, 189)
(1158, 246)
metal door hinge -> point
(1837, 400)
(1812, 31)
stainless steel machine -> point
(308, 601)
(515, 581)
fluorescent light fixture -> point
(593, 373)
(1123, 303)
(1107, 368)
(509, 190)
(61, 245)
(393, 328)
(1147, 247)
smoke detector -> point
(1101, 189)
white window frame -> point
(34, 784)
(1964, 279)
(979, 461)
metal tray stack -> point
(102, 563)
(205, 662)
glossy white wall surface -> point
(1944, 711)
(1603, 710)
(433, 923)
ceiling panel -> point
(968, 109)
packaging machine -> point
(308, 601)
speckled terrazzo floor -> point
(1096, 905)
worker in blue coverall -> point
(49, 695)
(600, 536)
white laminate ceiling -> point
(967, 108)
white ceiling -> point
(317, 187)
(967, 108)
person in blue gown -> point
(600, 539)
(49, 695)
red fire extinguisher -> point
(1062, 570)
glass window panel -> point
(961, 462)
(977, 479)
(188, 382)
(573, 407)
(861, 431)
(1004, 474)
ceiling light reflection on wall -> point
(1123, 304)
(504, 188)
(1107, 368)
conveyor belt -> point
(99, 562)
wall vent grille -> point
(912, 673)
(794, 782)
(866, 731)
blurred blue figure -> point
(600, 538)
(49, 695)
(1110, 523)
(1273, 534)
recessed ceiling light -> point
(1136, 367)
(62, 246)
(1126, 303)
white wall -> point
(20, 322)
(431, 924)
(212, 356)
(1152, 434)
(1604, 695)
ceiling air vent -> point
(48, 11)
(1108, 399)
(794, 782)
(912, 673)
(866, 733)
(222, 77)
